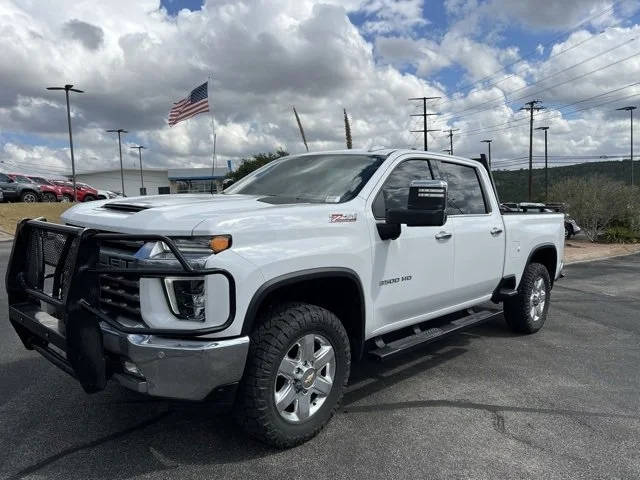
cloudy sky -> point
(484, 58)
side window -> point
(465, 195)
(395, 191)
(4, 178)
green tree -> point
(253, 163)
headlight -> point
(194, 245)
(186, 297)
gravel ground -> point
(563, 403)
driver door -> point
(412, 275)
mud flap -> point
(85, 353)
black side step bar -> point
(420, 337)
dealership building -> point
(156, 180)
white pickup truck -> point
(267, 292)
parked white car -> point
(268, 292)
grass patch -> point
(12, 213)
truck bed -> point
(526, 231)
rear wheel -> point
(49, 197)
(527, 311)
(29, 197)
(89, 198)
(297, 368)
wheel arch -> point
(547, 255)
(337, 289)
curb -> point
(602, 258)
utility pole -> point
(451, 130)
(488, 142)
(120, 131)
(69, 88)
(630, 109)
(546, 165)
(425, 129)
(531, 107)
(140, 147)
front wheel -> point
(29, 197)
(49, 197)
(89, 198)
(297, 368)
(527, 311)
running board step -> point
(420, 337)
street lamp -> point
(630, 109)
(69, 88)
(120, 131)
(488, 142)
(140, 147)
(546, 171)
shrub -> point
(620, 234)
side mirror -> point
(227, 182)
(426, 207)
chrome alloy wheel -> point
(537, 299)
(305, 378)
(29, 198)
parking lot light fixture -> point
(630, 109)
(69, 88)
(140, 147)
(120, 131)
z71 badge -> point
(342, 217)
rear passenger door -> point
(479, 239)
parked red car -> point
(50, 192)
(85, 192)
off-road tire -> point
(277, 330)
(517, 310)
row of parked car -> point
(15, 187)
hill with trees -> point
(513, 186)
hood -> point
(171, 214)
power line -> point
(425, 130)
(531, 107)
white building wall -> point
(110, 180)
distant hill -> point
(513, 185)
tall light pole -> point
(69, 88)
(488, 142)
(120, 131)
(140, 147)
(630, 109)
(546, 165)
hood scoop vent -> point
(126, 207)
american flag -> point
(196, 102)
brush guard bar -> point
(53, 290)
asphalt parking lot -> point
(564, 403)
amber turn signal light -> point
(220, 243)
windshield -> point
(313, 178)
(41, 180)
(23, 179)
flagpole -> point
(213, 131)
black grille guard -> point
(73, 253)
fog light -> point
(186, 298)
(132, 368)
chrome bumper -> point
(188, 369)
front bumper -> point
(54, 305)
(187, 369)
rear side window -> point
(395, 191)
(4, 178)
(465, 195)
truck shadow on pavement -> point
(118, 433)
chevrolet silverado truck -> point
(267, 292)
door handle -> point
(496, 231)
(443, 235)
